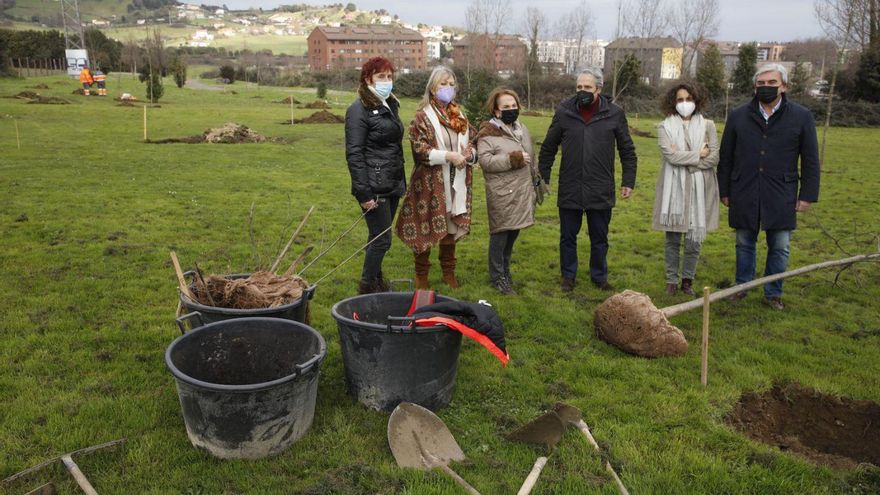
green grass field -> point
(89, 214)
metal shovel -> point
(572, 415)
(546, 430)
(419, 439)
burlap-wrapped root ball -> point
(631, 322)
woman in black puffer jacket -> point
(373, 136)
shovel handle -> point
(581, 425)
(532, 478)
(78, 475)
(458, 479)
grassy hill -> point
(88, 9)
(89, 213)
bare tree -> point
(576, 27)
(644, 18)
(692, 22)
(838, 18)
(847, 22)
(535, 24)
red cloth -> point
(588, 112)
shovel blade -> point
(546, 429)
(419, 439)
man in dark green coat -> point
(587, 126)
(758, 177)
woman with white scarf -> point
(686, 203)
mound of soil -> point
(124, 103)
(78, 91)
(631, 322)
(230, 133)
(50, 100)
(27, 95)
(289, 100)
(532, 113)
(317, 104)
(322, 117)
(644, 134)
(835, 431)
(40, 86)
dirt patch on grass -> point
(356, 479)
(531, 113)
(25, 95)
(124, 103)
(835, 431)
(229, 133)
(40, 86)
(289, 100)
(322, 117)
(644, 134)
(49, 100)
(317, 104)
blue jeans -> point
(778, 243)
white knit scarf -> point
(456, 204)
(676, 199)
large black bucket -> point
(247, 386)
(387, 362)
(296, 311)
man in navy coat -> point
(758, 177)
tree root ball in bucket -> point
(631, 322)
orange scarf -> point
(457, 121)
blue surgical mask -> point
(383, 88)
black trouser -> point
(597, 228)
(500, 249)
(378, 219)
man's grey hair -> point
(596, 73)
(772, 68)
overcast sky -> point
(741, 20)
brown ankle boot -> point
(447, 263)
(687, 287)
(423, 266)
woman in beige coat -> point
(505, 153)
(686, 203)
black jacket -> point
(373, 136)
(586, 174)
(758, 168)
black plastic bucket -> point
(296, 311)
(247, 386)
(387, 362)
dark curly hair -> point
(374, 65)
(667, 104)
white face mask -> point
(685, 108)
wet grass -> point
(89, 213)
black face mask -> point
(510, 115)
(766, 94)
(585, 98)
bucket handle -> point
(305, 367)
(181, 322)
(401, 281)
(406, 321)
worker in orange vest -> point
(100, 79)
(85, 77)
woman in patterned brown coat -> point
(437, 206)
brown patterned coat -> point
(422, 219)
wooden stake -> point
(145, 122)
(17, 138)
(181, 282)
(297, 261)
(290, 242)
(704, 361)
(291, 108)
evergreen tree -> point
(155, 90)
(797, 80)
(178, 70)
(868, 74)
(743, 75)
(710, 72)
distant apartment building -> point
(349, 47)
(729, 51)
(660, 57)
(503, 53)
(569, 56)
(770, 52)
(432, 49)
